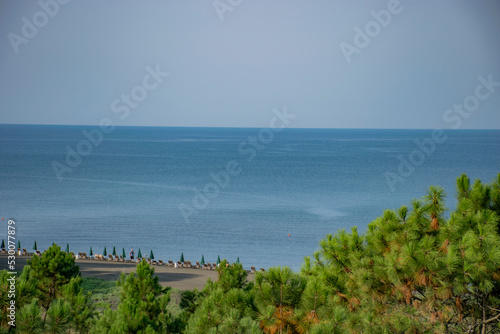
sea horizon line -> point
(242, 127)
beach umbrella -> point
(91, 251)
(182, 257)
(34, 246)
(123, 253)
(151, 255)
(105, 253)
(139, 254)
(19, 244)
(3, 243)
(218, 259)
(67, 248)
(202, 259)
(114, 251)
(238, 260)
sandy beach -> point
(177, 278)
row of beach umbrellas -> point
(105, 253)
(203, 259)
(35, 247)
(3, 244)
(151, 255)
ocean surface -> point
(267, 198)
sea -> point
(263, 197)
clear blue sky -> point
(232, 68)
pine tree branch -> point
(492, 319)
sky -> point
(230, 63)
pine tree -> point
(434, 198)
(227, 305)
(26, 287)
(231, 276)
(278, 289)
(413, 271)
(58, 317)
(82, 309)
(223, 311)
(29, 319)
(51, 271)
(143, 305)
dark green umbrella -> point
(238, 260)
(151, 255)
(202, 259)
(34, 246)
(19, 244)
(218, 259)
(114, 251)
(123, 253)
(3, 243)
(67, 248)
(182, 257)
(105, 253)
(91, 254)
(139, 254)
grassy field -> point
(103, 292)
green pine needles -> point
(49, 297)
(414, 270)
(143, 306)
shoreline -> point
(177, 278)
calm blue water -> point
(306, 183)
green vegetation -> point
(143, 305)
(103, 293)
(414, 270)
(49, 296)
(225, 306)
